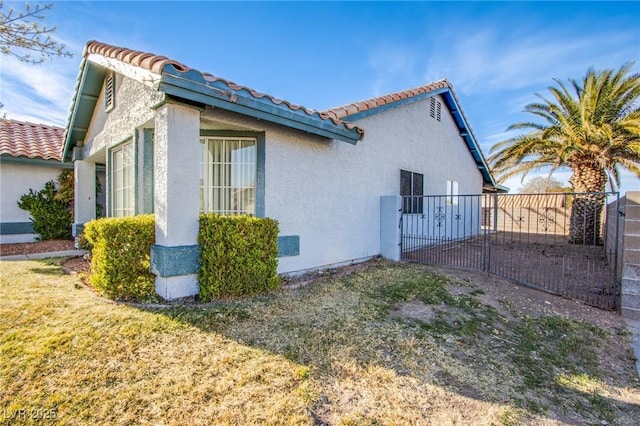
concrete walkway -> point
(634, 328)
(32, 256)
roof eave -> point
(192, 86)
(469, 138)
(83, 104)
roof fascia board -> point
(142, 75)
(74, 110)
(8, 159)
(192, 86)
(467, 135)
(396, 104)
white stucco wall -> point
(15, 181)
(133, 102)
(328, 192)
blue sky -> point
(497, 55)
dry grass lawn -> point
(383, 344)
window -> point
(452, 192)
(435, 109)
(122, 180)
(412, 189)
(109, 91)
(228, 175)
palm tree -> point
(592, 128)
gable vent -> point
(435, 109)
(109, 92)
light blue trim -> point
(14, 228)
(174, 261)
(7, 159)
(147, 171)
(77, 153)
(77, 229)
(288, 245)
(467, 135)
(454, 109)
(191, 85)
(260, 160)
(84, 103)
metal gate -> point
(552, 242)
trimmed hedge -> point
(120, 262)
(238, 255)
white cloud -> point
(38, 93)
(491, 61)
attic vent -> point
(109, 92)
(435, 109)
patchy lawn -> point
(379, 344)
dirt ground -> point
(36, 247)
(574, 271)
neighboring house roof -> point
(358, 110)
(37, 141)
(181, 81)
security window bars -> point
(122, 180)
(228, 175)
(412, 190)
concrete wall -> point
(629, 254)
(15, 181)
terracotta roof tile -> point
(30, 140)
(156, 64)
(343, 111)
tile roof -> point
(343, 111)
(157, 63)
(19, 139)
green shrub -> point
(120, 262)
(238, 255)
(51, 216)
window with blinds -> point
(122, 182)
(228, 175)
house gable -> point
(187, 84)
(359, 110)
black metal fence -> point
(552, 242)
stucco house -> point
(177, 141)
(29, 157)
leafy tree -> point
(591, 127)
(22, 36)
(543, 184)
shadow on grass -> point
(343, 329)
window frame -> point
(415, 204)
(259, 138)
(453, 192)
(111, 178)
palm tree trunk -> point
(586, 210)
